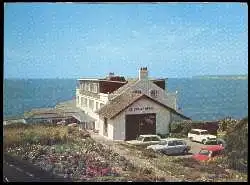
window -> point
(155, 139)
(171, 143)
(154, 93)
(204, 133)
(91, 87)
(204, 152)
(101, 105)
(137, 91)
(105, 131)
(82, 85)
(95, 87)
(146, 139)
(78, 100)
(85, 102)
(180, 143)
(82, 102)
(96, 105)
(91, 104)
(85, 86)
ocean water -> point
(199, 99)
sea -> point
(199, 99)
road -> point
(17, 170)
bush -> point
(237, 145)
(181, 127)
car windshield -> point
(204, 152)
(155, 139)
(204, 132)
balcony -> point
(88, 93)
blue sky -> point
(48, 40)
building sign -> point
(131, 109)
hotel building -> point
(124, 109)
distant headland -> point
(223, 77)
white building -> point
(125, 109)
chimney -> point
(111, 74)
(143, 73)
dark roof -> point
(124, 87)
(81, 116)
(69, 108)
(45, 116)
(121, 102)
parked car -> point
(63, 122)
(171, 146)
(217, 141)
(201, 136)
(146, 140)
(72, 125)
(209, 152)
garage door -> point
(139, 124)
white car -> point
(171, 146)
(200, 135)
(146, 140)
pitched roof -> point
(118, 104)
(121, 102)
(124, 87)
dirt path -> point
(134, 159)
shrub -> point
(181, 127)
(237, 145)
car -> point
(217, 141)
(171, 146)
(72, 125)
(200, 135)
(209, 152)
(146, 140)
(63, 122)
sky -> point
(173, 40)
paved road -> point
(16, 170)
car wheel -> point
(185, 152)
(204, 141)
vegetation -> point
(47, 143)
(180, 128)
(237, 145)
(20, 134)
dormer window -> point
(154, 93)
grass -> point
(34, 134)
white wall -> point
(118, 127)
(162, 117)
(145, 86)
(89, 111)
(110, 128)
